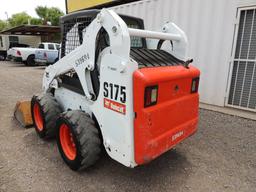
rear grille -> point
(154, 58)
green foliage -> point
(51, 14)
(54, 15)
(42, 12)
(19, 19)
(36, 21)
(46, 15)
(3, 25)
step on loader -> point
(117, 85)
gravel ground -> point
(220, 157)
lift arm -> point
(82, 59)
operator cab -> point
(72, 29)
(73, 26)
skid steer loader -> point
(119, 86)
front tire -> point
(45, 111)
(78, 140)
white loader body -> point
(113, 107)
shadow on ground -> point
(163, 171)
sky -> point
(15, 6)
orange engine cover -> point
(172, 119)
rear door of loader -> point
(166, 105)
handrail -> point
(153, 34)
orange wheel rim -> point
(38, 117)
(67, 142)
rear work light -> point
(150, 97)
(195, 85)
(19, 53)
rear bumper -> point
(168, 140)
(17, 59)
(160, 129)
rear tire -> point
(56, 60)
(2, 57)
(31, 60)
(45, 112)
(78, 140)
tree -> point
(51, 14)
(42, 12)
(54, 15)
(19, 19)
(46, 15)
(35, 21)
(3, 25)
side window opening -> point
(102, 41)
(50, 46)
(41, 46)
(71, 81)
(57, 46)
(13, 40)
(136, 42)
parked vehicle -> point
(120, 86)
(27, 55)
(48, 56)
(11, 41)
(11, 50)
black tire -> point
(45, 112)
(31, 60)
(2, 57)
(56, 60)
(85, 139)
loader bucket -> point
(22, 113)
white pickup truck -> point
(27, 55)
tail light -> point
(18, 53)
(45, 55)
(151, 93)
(195, 85)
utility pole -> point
(7, 19)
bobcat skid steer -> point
(119, 86)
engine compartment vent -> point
(154, 58)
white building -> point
(222, 41)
